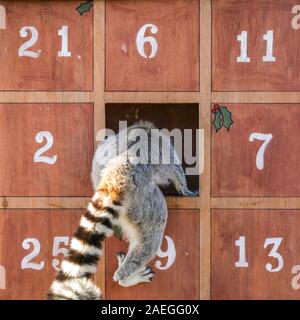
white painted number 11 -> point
(243, 39)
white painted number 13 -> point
(242, 262)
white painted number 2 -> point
(141, 40)
(295, 20)
(170, 253)
(39, 138)
(243, 39)
(261, 151)
(23, 50)
(26, 262)
(274, 254)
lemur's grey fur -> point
(127, 194)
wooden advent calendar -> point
(65, 75)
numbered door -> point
(177, 257)
(33, 243)
(152, 45)
(45, 45)
(255, 254)
(46, 149)
(181, 121)
(259, 154)
(258, 54)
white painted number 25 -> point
(141, 40)
(27, 260)
(261, 151)
(170, 253)
(39, 138)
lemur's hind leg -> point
(146, 274)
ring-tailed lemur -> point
(127, 195)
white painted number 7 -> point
(261, 151)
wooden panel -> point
(25, 129)
(16, 227)
(44, 69)
(183, 229)
(259, 229)
(280, 71)
(236, 171)
(168, 116)
(174, 32)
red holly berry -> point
(216, 108)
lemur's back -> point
(126, 194)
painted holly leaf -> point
(85, 7)
(117, 232)
(226, 117)
(217, 121)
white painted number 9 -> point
(39, 138)
(170, 253)
(141, 40)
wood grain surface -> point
(49, 71)
(71, 126)
(234, 169)
(229, 19)
(42, 225)
(175, 67)
(255, 281)
(181, 280)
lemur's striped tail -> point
(73, 281)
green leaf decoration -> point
(117, 232)
(217, 121)
(85, 7)
(226, 117)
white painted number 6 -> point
(141, 40)
(26, 264)
(261, 152)
(39, 138)
(170, 253)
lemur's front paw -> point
(188, 193)
(144, 275)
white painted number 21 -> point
(141, 40)
(266, 138)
